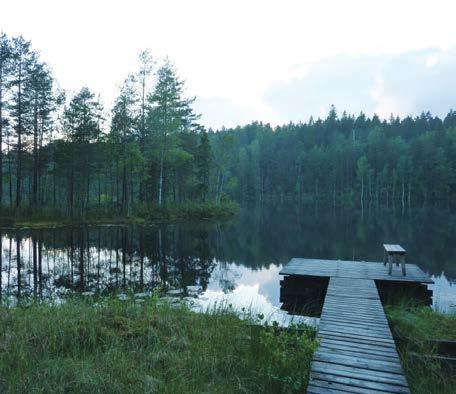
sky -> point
(269, 61)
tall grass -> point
(125, 346)
(413, 328)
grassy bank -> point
(145, 214)
(126, 346)
(414, 329)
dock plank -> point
(353, 270)
(357, 353)
(321, 386)
(361, 384)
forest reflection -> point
(217, 256)
(48, 263)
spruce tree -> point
(203, 164)
(123, 128)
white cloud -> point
(234, 50)
(400, 84)
(432, 60)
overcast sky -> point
(273, 61)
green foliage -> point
(410, 161)
(204, 163)
(156, 152)
(118, 346)
(82, 118)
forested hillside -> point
(66, 153)
(343, 160)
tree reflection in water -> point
(218, 256)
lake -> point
(234, 262)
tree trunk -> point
(81, 260)
(142, 136)
(1, 134)
(160, 182)
(403, 195)
(362, 195)
(35, 265)
(19, 139)
(35, 158)
(18, 263)
(40, 259)
(71, 187)
(10, 172)
(88, 180)
(124, 204)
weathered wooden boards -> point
(393, 248)
(357, 353)
(352, 269)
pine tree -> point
(169, 113)
(5, 59)
(22, 60)
(146, 65)
(42, 103)
(82, 128)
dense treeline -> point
(342, 160)
(65, 153)
(55, 151)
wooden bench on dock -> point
(357, 352)
(394, 252)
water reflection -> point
(236, 261)
(54, 262)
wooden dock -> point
(353, 269)
(357, 353)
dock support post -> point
(403, 264)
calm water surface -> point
(233, 262)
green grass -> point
(186, 211)
(126, 346)
(144, 214)
(413, 328)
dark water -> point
(236, 262)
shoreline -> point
(116, 345)
(146, 216)
(131, 332)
